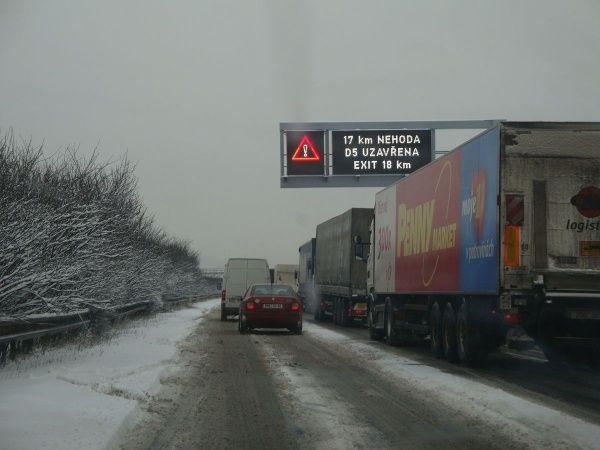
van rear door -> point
(257, 272)
(236, 281)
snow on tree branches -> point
(74, 233)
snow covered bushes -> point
(75, 233)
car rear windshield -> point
(273, 290)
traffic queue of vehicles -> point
(501, 233)
(239, 274)
(248, 292)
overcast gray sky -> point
(194, 91)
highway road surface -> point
(333, 388)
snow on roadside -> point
(76, 397)
(534, 424)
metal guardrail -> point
(28, 335)
(213, 272)
(23, 342)
(178, 300)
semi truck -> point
(306, 274)
(340, 277)
(502, 232)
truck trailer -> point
(306, 274)
(340, 277)
(502, 232)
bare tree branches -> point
(75, 232)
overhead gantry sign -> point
(368, 154)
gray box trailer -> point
(340, 277)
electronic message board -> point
(305, 152)
(379, 152)
(359, 154)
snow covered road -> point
(186, 380)
(527, 422)
(334, 389)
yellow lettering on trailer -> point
(413, 235)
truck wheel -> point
(449, 333)
(345, 318)
(469, 343)
(336, 311)
(223, 314)
(319, 317)
(435, 331)
(552, 354)
(586, 357)
(548, 329)
(374, 333)
(391, 335)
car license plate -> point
(272, 306)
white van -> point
(239, 274)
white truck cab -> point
(287, 274)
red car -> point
(270, 306)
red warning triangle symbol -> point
(305, 151)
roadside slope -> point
(76, 397)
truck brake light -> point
(223, 292)
(512, 318)
(250, 306)
(295, 307)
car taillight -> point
(295, 307)
(223, 294)
(250, 306)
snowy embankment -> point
(77, 397)
(531, 423)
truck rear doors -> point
(551, 207)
